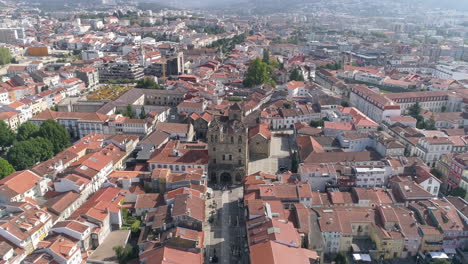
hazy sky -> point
(453, 4)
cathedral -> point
(228, 147)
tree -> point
(443, 109)
(129, 112)
(294, 163)
(414, 110)
(287, 105)
(6, 135)
(235, 99)
(258, 74)
(148, 83)
(436, 173)
(135, 227)
(124, 254)
(296, 75)
(142, 113)
(318, 123)
(341, 259)
(331, 66)
(25, 154)
(5, 168)
(430, 124)
(440, 261)
(460, 192)
(56, 134)
(266, 56)
(27, 130)
(5, 56)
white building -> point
(91, 54)
(317, 175)
(370, 177)
(430, 149)
(20, 185)
(427, 181)
(294, 89)
(372, 104)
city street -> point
(225, 237)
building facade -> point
(228, 147)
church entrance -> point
(213, 178)
(226, 178)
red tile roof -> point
(18, 183)
(275, 253)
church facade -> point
(227, 139)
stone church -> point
(228, 150)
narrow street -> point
(225, 237)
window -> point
(240, 162)
(224, 157)
(214, 161)
(232, 140)
(230, 157)
(240, 150)
(240, 139)
(214, 149)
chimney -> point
(175, 152)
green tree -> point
(318, 123)
(25, 154)
(341, 259)
(124, 254)
(148, 83)
(129, 112)
(5, 168)
(436, 173)
(56, 134)
(135, 227)
(296, 75)
(142, 113)
(275, 64)
(430, 124)
(5, 56)
(266, 56)
(460, 192)
(294, 163)
(27, 130)
(258, 74)
(414, 110)
(235, 99)
(440, 261)
(6, 135)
